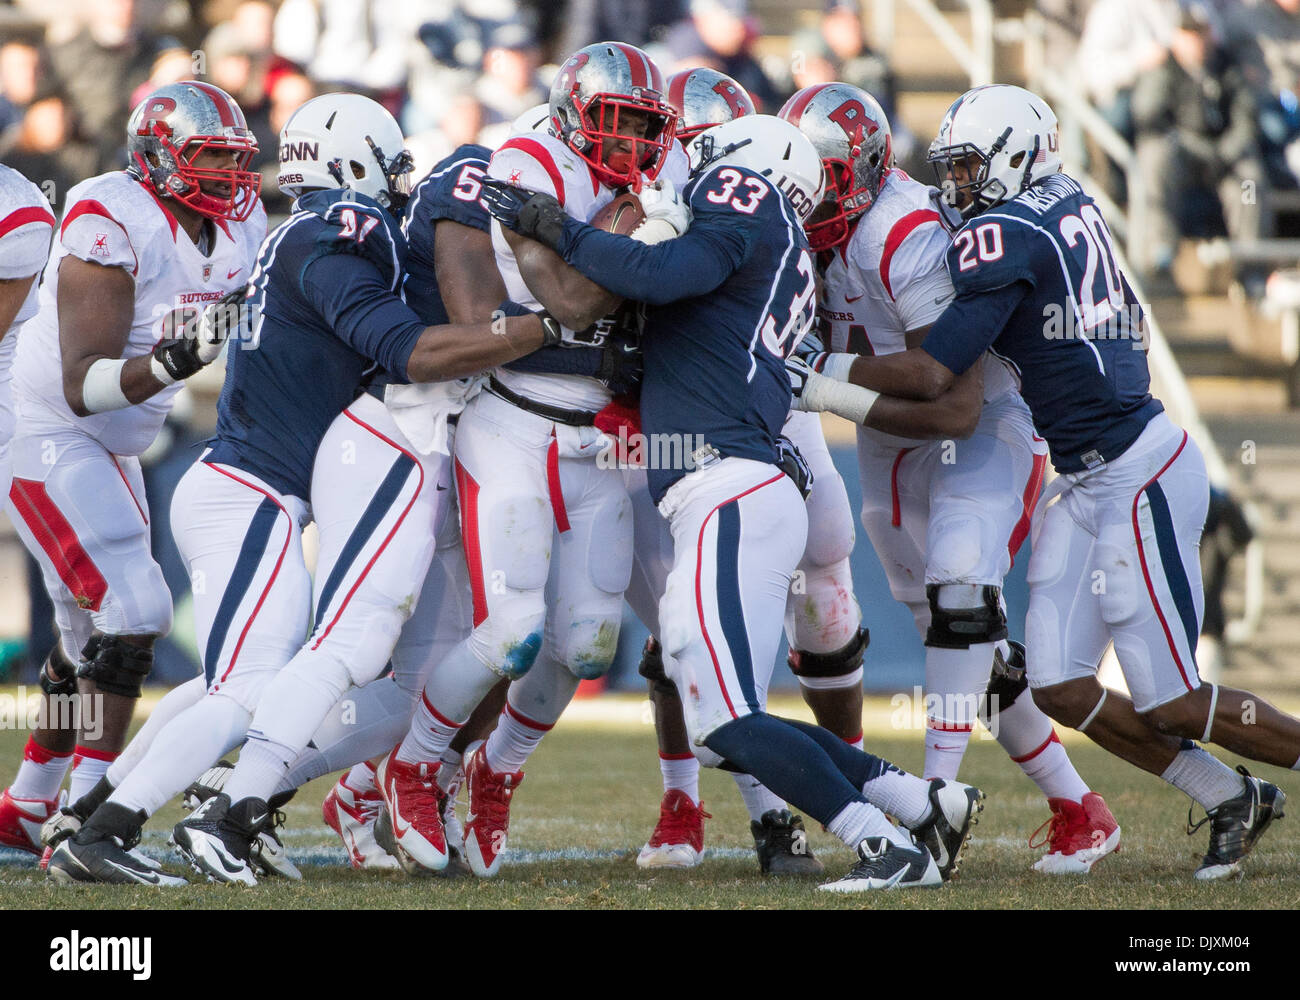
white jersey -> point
(26, 224)
(116, 221)
(891, 277)
(539, 161)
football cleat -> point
(1079, 835)
(414, 801)
(216, 838)
(678, 837)
(352, 816)
(1236, 824)
(21, 821)
(954, 809)
(883, 864)
(267, 852)
(101, 851)
(488, 819)
(782, 845)
(207, 784)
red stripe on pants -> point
(59, 541)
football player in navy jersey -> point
(1037, 282)
(729, 300)
(329, 326)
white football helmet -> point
(1012, 137)
(769, 146)
(349, 141)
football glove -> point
(666, 215)
(202, 339)
(800, 375)
(794, 465)
(538, 216)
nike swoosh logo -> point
(938, 747)
(151, 878)
(233, 273)
(942, 859)
(942, 299)
(853, 298)
(400, 826)
(257, 820)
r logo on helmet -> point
(157, 111)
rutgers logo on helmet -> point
(346, 140)
(703, 98)
(851, 134)
(596, 94)
(995, 142)
(169, 137)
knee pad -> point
(589, 647)
(58, 673)
(822, 611)
(1007, 681)
(841, 663)
(116, 666)
(651, 667)
(1115, 581)
(967, 614)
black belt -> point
(573, 418)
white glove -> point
(666, 215)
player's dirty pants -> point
(739, 529)
(82, 514)
(1116, 558)
(544, 527)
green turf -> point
(594, 786)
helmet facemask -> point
(981, 192)
(176, 176)
(397, 173)
(600, 121)
(847, 202)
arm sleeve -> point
(354, 300)
(970, 325)
(684, 268)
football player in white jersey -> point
(138, 252)
(26, 223)
(822, 616)
(946, 517)
(548, 534)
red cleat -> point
(20, 822)
(1078, 836)
(414, 801)
(352, 816)
(489, 813)
(678, 838)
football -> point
(621, 216)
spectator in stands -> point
(510, 84)
(719, 35)
(1264, 37)
(633, 21)
(1197, 128)
(1122, 39)
(287, 91)
(172, 65)
(20, 68)
(43, 147)
(99, 68)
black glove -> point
(538, 216)
(201, 341)
(793, 464)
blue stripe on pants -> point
(250, 557)
(379, 505)
(731, 611)
(1172, 562)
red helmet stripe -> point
(796, 106)
(677, 91)
(219, 100)
(639, 64)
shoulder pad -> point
(353, 223)
(732, 190)
(990, 252)
(451, 191)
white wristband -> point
(159, 372)
(837, 366)
(102, 389)
(852, 402)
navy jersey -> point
(451, 191)
(324, 297)
(730, 300)
(1037, 283)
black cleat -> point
(101, 852)
(1236, 824)
(782, 845)
(883, 864)
(216, 839)
(70, 818)
(955, 808)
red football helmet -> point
(168, 131)
(593, 89)
(703, 98)
(852, 137)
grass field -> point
(591, 798)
